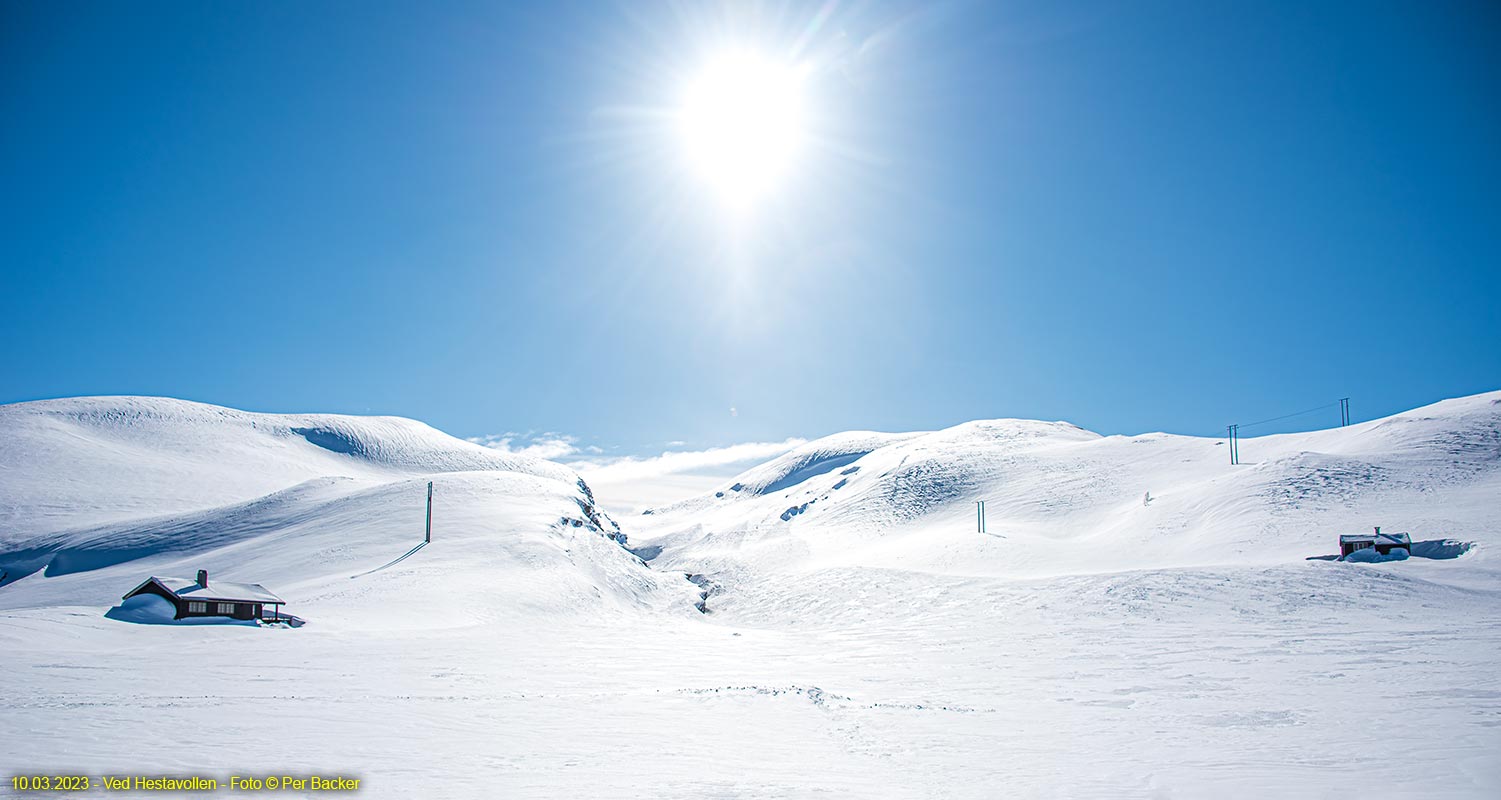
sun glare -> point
(742, 125)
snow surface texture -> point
(862, 639)
(332, 519)
(1370, 556)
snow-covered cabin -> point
(1383, 542)
(199, 598)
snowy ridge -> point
(96, 459)
(1061, 499)
(860, 639)
(99, 492)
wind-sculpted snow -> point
(67, 463)
(66, 552)
(1140, 620)
(341, 552)
(149, 609)
(1060, 499)
(97, 493)
(810, 460)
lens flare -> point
(742, 125)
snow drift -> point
(100, 492)
(864, 640)
(150, 609)
(1061, 499)
(88, 460)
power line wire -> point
(1290, 416)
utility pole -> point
(429, 536)
(1344, 411)
(1232, 434)
(980, 514)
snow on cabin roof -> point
(188, 588)
(1378, 538)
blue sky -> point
(1161, 216)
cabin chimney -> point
(1378, 530)
(203, 578)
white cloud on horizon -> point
(590, 462)
(548, 446)
(677, 462)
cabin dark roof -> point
(224, 591)
(1378, 538)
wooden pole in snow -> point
(429, 536)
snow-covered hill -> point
(99, 492)
(91, 460)
(1062, 500)
(863, 639)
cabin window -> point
(226, 608)
(195, 607)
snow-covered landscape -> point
(744, 399)
(1140, 618)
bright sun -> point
(742, 125)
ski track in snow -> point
(871, 645)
